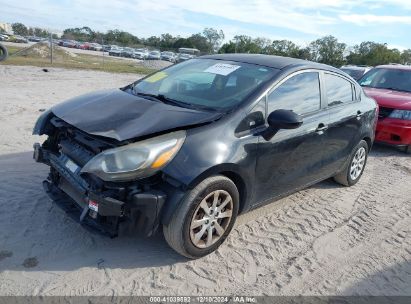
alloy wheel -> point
(357, 164)
(211, 219)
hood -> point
(122, 116)
(390, 98)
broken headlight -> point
(136, 160)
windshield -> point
(206, 83)
(392, 79)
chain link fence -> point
(48, 53)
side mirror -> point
(281, 119)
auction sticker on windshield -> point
(222, 69)
(156, 77)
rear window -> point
(338, 89)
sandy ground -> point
(325, 240)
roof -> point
(395, 66)
(277, 62)
(355, 67)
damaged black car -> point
(190, 147)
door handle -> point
(321, 128)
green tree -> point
(283, 48)
(199, 42)
(372, 53)
(227, 48)
(19, 29)
(328, 50)
(214, 39)
(406, 57)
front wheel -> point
(355, 168)
(204, 218)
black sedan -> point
(192, 146)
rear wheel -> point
(204, 218)
(355, 168)
(408, 149)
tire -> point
(3, 52)
(408, 149)
(346, 177)
(180, 234)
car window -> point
(386, 78)
(338, 89)
(300, 93)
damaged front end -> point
(90, 177)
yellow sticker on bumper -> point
(156, 77)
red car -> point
(83, 46)
(390, 86)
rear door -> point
(293, 158)
(345, 120)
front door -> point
(293, 158)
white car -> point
(140, 54)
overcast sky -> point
(351, 21)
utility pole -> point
(51, 48)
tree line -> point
(326, 50)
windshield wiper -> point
(162, 98)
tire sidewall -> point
(3, 52)
(349, 179)
(224, 184)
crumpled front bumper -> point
(139, 213)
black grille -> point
(75, 151)
(384, 112)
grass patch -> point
(40, 56)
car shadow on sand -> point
(35, 234)
(392, 281)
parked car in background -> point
(127, 52)
(18, 39)
(154, 55)
(95, 47)
(141, 54)
(34, 39)
(115, 51)
(192, 146)
(355, 71)
(183, 57)
(83, 45)
(70, 43)
(168, 56)
(106, 48)
(4, 37)
(390, 86)
(187, 53)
